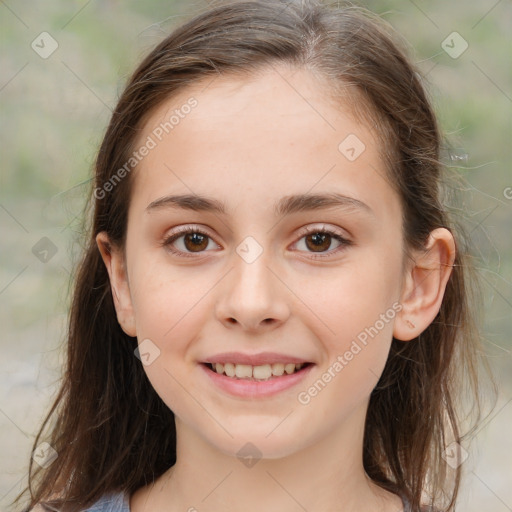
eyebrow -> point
(285, 206)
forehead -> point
(304, 99)
(273, 132)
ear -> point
(114, 261)
(424, 285)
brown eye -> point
(318, 242)
(194, 241)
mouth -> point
(245, 381)
(253, 376)
(260, 373)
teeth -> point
(243, 371)
(229, 369)
(278, 369)
(289, 368)
(262, 372)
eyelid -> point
(189, 228)
(322, 227)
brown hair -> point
(109, 427)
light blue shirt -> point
(112, 502)
(120, 502)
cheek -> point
(359, 314)
(357, 296)
(357, 307)
(166, 298)
(171, 306)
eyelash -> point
(167, 242)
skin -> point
(248, 143)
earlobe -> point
(424, 285)
(114, 262)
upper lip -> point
(254, 359)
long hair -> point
(110, 429)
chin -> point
(252, 443)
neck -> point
(327, 475)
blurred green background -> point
(55, 111)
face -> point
(268, 278)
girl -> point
(273, 308)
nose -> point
(253, 298)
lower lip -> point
(246, 388)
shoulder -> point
(110, 502)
